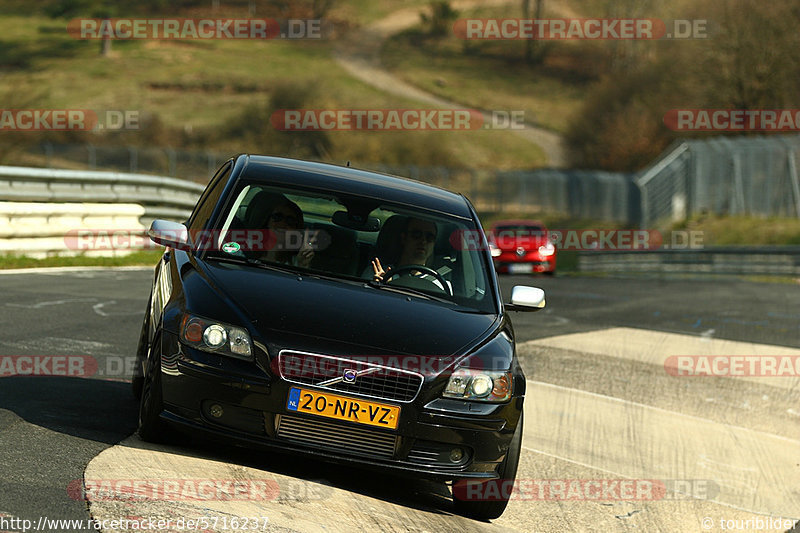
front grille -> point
(336, 436)
(374, 381)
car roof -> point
(346, 180)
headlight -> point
(547, 249)
(216, 337)
(479, 385)
(494, 250)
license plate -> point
(521, 268)
(343, 408)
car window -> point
(208, 200)
(295, 229)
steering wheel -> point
(421, 268)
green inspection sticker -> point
(231, 247)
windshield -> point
(419, 252)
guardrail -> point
(161, 196)
(741, 260)
(41, 208)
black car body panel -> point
(321, 317)
(367, 319)
(361, 183)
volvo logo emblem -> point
(349, 375)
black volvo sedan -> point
(340, 314)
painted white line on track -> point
(756, 471)
(48, 303)
(290, 504)
(654, 347)
(57, 344)
(655, 408)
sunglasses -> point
(418, 234)
(291, 220)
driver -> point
(283, 219)
(417, 241)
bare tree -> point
(627, 54)
(534, 48)
(321, 7)
(105, 42)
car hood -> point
(330, 316)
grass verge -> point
(492, 75)
(194, 95)
(142, 258)
(743, 230)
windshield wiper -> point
(407, 290)
(232, 259)
(251, 262)
(285, 268)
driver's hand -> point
(306, 252)
(380, 273)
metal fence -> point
(587, 194)
(196, 166)
(724, 175)
(581, 194)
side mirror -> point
(526, 299)
(168, 233)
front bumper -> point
(240, 402)
(525, 267)
(509, 262)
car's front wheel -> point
(137, 382)
(486, 500)
(151, 427)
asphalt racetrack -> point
(612, 440)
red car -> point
(522, 247)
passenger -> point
(285, 222)
(417, 242)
